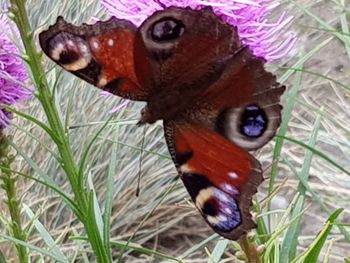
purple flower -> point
(265, 38)
(13, 73)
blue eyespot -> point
(253, 121)
(221, 211)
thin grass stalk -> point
(58, 133)
(8, 184)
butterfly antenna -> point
(140, 164)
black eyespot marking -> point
(182, 158)
(195, 183)
(91, 72)
(253, 121)
(113, 86)
(69, 56)
(167, 29)
(210, 207)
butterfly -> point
(215, 98)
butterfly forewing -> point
(102, 54)
(184, 45)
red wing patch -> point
(220, 177)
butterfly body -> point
(214, 96)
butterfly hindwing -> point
(219, 176)
(244, 103)
(101, 54)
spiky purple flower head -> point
(13, 74)
(251, 17)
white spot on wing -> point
(223, 197)
(185, 169)
(110, 42)
(76, 65)
(213, 220)
(203, 196)
(55, 53)
(94, 43)
(228, 211)
(233, 175)
(102, 82)
(70, 43)
(229, 188)
(222, 218)
(83, 48)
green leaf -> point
(2, 257)
(42, 125)
(96, 210)
(32, 164)
(87, 151)
(313, 252)
(54, 188)
(41, 251)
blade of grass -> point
(85, 156)
(290, 242)
(32, 119)
(97, 209)
(41, 251)
(345, 26)
(318, 153)
(318, 199)
(32, 164)
(142, 250)
(303, 59)
(336, 33)
(313, 252)
(109, 192)
(286, 116)
(38, 140)
(2, 258)
(327, 256)
(219, 250)
(46, 237)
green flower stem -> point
(13, 204)
(249, 250)
(59, 135)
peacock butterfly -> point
(214, 96)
